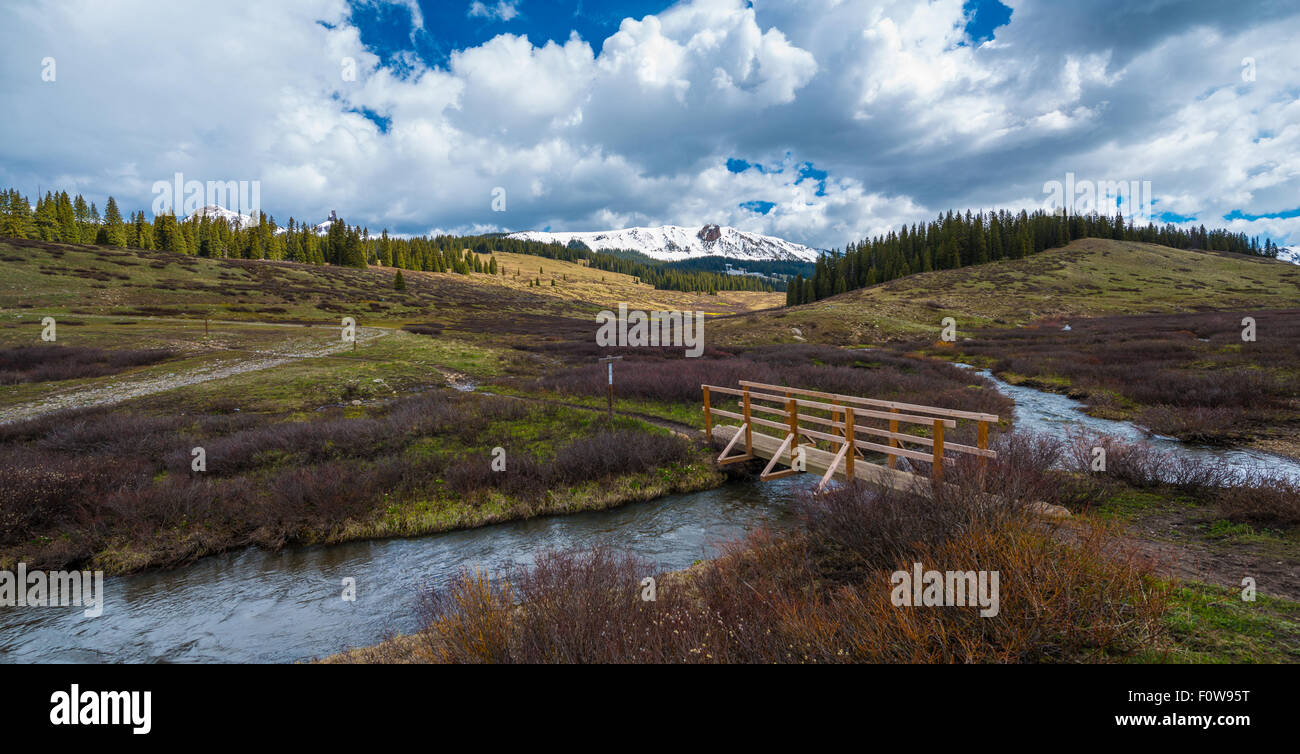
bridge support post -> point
(708, 415)
(749, 436)
(892, 461)
(937, 470)
(849, 436)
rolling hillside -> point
(52, 278)
(1090, 277)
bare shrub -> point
(769, 599)
(52, 362)
(1262, 499)
(1141, 465)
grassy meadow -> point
(310, 439)
(1088, 278)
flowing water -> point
(1053, 414)
(258, 606)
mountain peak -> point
(673, 243)
(216, 211)
(709, 233)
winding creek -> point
(1053, 414)
(258, 606)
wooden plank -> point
(983, 442)
(893, 439)
(893, 436)
(767, 470)
(749, 438)
(951, 412)
(708, 416)
(926, 420)
(819, 460)
(728, 414)
(850, 435)
(723, 460)
(937, 469)
(905, 452)
(830, 471)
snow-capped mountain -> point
(319, 229)
(671, 243)
(216, 211)
(324, 227)
(237, 220)
(1289, 254)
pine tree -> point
(16, 219)
(65, 218)
(46, 221)
(113, 231)
(399, 283)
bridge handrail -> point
(917, 439)
(934, 410)
(925, 420)
(846, 430)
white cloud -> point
(885, 95)
(503, 10)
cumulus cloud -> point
(905, 114)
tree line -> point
(60, 218)
(956, 240)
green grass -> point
(380, 368)
(682, 413)
(68, 279)
(1211, 624)
(1128, 504)
(1090, 277)
(396, 362)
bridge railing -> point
(846, 417)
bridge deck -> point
(818, 461)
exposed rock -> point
(1047, 510)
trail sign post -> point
(610, 382)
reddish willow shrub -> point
(49, 363)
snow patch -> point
(671, 243)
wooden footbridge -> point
(843, 419)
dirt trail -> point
(1170, 538)
(129, 387)
(1189, 561)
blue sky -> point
(821, 121)
(386, 29)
